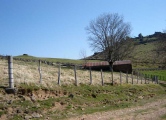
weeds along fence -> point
(40, 72)
(149, 74)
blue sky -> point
(56, 28)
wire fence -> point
(50, 74)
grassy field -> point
(55, 60)
(27, 72)
(160, 73)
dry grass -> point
(27, 72)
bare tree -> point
(83, 55)
(109, 34)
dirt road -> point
(150, 111)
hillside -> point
(51, 101)
(143, 55)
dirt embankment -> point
(149, 111)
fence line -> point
(28, 68)
(148, 69)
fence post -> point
(120, 78)
(75, 75)
(152, 78)
(132, 76)
(148, 79)
(137, 77)
(10, 70)
(127, 77)
(155, 79)
(112, 73)
(102, 82)
(59, 75)
(145, 78)
(158, 81)
(141, 77)
(40, 80)
(90, 76)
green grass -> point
(85, 99)
(16, 117)
(143, 53)
(145, 56)
(163, 117)
(29, 87)
(2, 112)
(160, 73)
(89, 99)
(54, 60)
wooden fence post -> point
(75, 75)
(120, 78)
(137, 77)
(90, 76)
(148, 79)
(102, 82)
(132, 77)
(152, 78)
(145, 78)
(127, 77)
(141, 77)
(59, 75)
(155, 79)
(10, 72)
(158, 80)
(112, 73)
(40, 80)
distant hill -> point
(143, 55)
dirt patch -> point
(149, 111)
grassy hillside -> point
(143, 54)
(63, 102)
(51, 101)
(54, 60)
